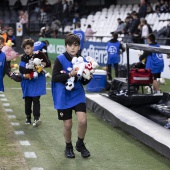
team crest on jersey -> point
(79, 35)
(160, 56)
(61, 114)
(112, 50)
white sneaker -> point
(158, 93)
(36, 123)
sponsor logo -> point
(61, 114)
(99, 53)
(112, 50)
(79, 35)
(59, 49)
(160, 56)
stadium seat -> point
(67, 29)
(162, 16)
(135, 7)
(129, 6)
(106, 39)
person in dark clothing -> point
(10, 36)
(136, 37)
(113, 50)
(57, 9)
(66, 101)
(76, 19)
(126, 26)
(134, 24)
(154, 62)
(166, 32)
(18, 5)
(32, 87)
(157, 7)
(120, 26)
(142, 9)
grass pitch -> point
(111, 148)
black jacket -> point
(25, 58)
(57, 76)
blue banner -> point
(97, 50)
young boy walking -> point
(66, 101)
(32, 88)
(4, 67)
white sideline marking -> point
(4, 99)
(2, 95)
(11, 116)
(20, 132)
(6, 104)
(36, 168)
(15, 124)
(8, 110)
(30, 155)
(25, 142)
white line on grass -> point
(30, 155)
(15, 124)
(2, 95)
(6, 104)
(25, 142)
(4, 99)
(8, 110)
(37, 168)
(20, 132)
(11, 116)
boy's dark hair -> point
(27, 42)
(151, 37)
(2, 39)
(72, 39)
(10, 28)
(115, 35)
(78, 25)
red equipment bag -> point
(141, 76)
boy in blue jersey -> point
(32, 88)
(113, 50)
(81, 35)
(154, 62)
(66, 101)
(4, 67)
